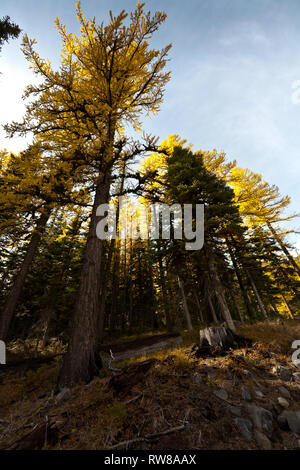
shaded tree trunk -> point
(185, 305)
(103, 296)
(80, 363)
(240, 281)
(169, 323)
(199, 306)
(14, 295)
(257, 295)
(220, 294)
(288, 307)
(212, 307)
(114, 291)
(234, 301)
(275, 310)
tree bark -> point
(80, 363)
(256, 293)
(185, 305)
(288, 307)
(164, 294)
(235, 303)
(219, 290)
(275, 310)
(199, 306)
(240, 281)
(14, 295)
(212, 308)
(115, 290)
(108, 264)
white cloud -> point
(245, 31)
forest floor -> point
(248, 398)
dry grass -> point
(277, 335)
(95, 417)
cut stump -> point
(216, 336)
(217, 340)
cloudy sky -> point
(235, 82)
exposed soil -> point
(170, 403)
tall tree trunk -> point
(240, 281)
(275, 310)
(288, 307)
(284, 249)
(80, 362)
(152, 290)
(115, 289)
(169, 323)
(212, 307)
(105, 280)
(199, 306)
(14, 295)
(103, 296)
(220, 294)
(237, 308)
(256, 293)
(185, 305)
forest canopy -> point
(57, 278)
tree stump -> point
(216, 336)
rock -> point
(296, 377)
(293, 420)
(284, 374)
(63, 395)
(208, 413)
(297, 444)
(197, 379)
(282, 421)
(234, 410)
(262, 419)
(245, 426)
(262, 441)
(283, 402)
(259, 394)
(284, 393)
(246, 395)
(222, 394)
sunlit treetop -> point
(108, 76)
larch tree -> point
(109, 75)
(261, 203)
(32, 185)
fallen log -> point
(38, 437)
(142, 346)
(131, 375)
